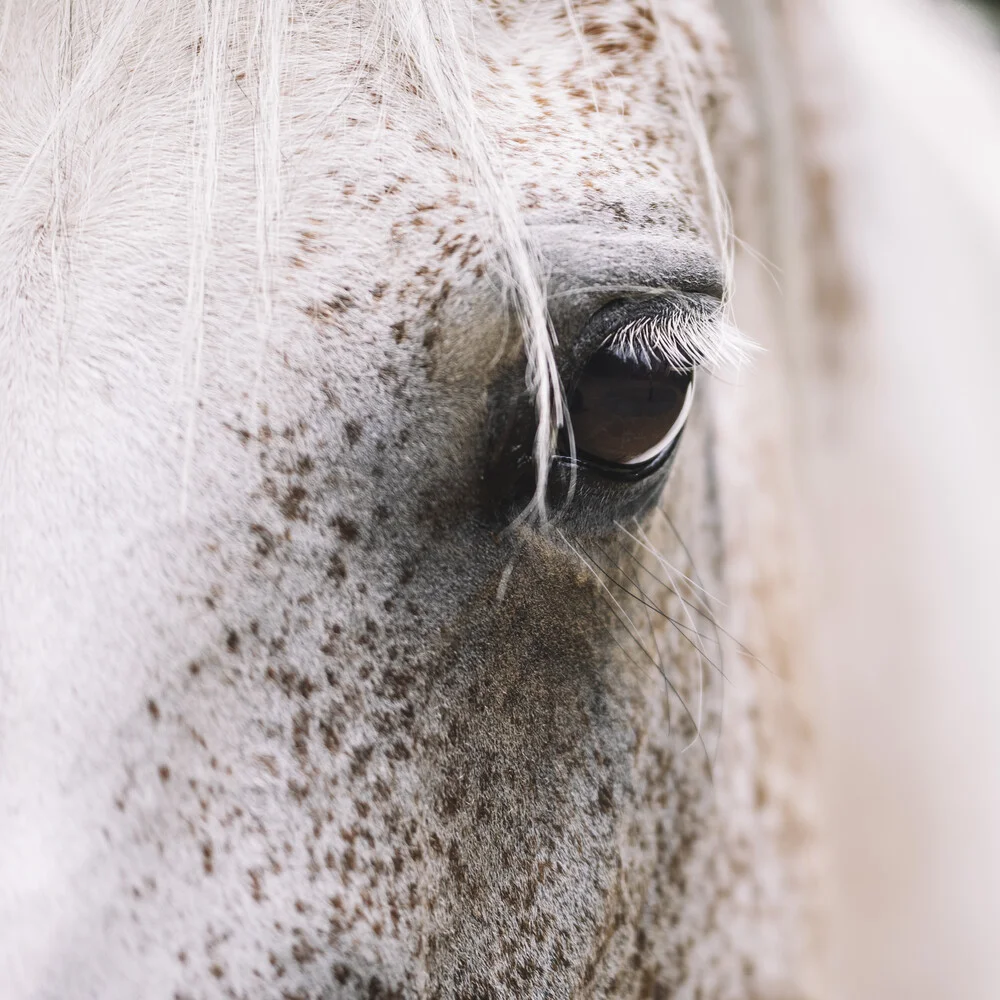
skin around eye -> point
(625, 411)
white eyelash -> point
(695, 334)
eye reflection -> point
(628, 411)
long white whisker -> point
(644, 542)
(634, 634)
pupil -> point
(622, 409)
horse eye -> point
(628, 412)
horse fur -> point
(288, 709)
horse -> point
(408, 504)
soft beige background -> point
(908, 522)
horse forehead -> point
(577, 117)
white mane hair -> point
(882, 222)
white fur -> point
(145, 289)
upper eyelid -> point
(677, 289)
(582, 258)
(695, 291)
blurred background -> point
(906, 485)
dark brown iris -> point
(624, 411)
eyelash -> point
(694, 334)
